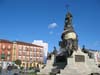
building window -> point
(37, 49)
(8, 57)
(30, 49)
(20, 46)
(37, 54)
(41, 59)
(9, 47)
(31, 60)
(41, 55)
(19, 57)
(20, 53)
(41, 49)
(27, 59)
(24, 53)
(37, 59)
(34, 54)
(31, 53)
(3, 47)
(34, 58)
(27, 54)
(24, 48)
(24, 58)
(34, 49)
(8, 52)
(20, 49)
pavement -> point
(5, 72)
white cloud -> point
(51, 32)
(52, 25)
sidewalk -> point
(4, 72)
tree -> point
(18, 62)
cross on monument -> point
(67, 6)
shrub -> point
(22, 68)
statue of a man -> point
(69, 47)
(69, 19)
(55, 50)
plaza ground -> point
(4, 72)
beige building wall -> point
(29, 54)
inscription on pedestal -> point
(79, 58)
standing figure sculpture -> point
(69, 38)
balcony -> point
(9, 55)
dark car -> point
(99, 65)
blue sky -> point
(28, 20)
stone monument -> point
(70, 59)
(68, 44)
(78, 62)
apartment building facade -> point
(31, 55)
(5, 52)
(45, 47)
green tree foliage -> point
(18, 62)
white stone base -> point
(80, 68)
(49, 66)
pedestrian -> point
(9, 68)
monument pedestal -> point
(49, 66)
(79, 64)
